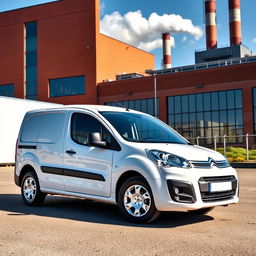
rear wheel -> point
(136, 202)
(30, 190)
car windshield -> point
(142, 128)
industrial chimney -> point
(210, 24)
(166, 50)
(235, 22)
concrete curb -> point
(244, 165)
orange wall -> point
(115, 57)
(69, 44)
(11, 57)
(66, 46)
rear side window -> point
(31, 129)
(44, 128)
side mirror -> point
(96, 140)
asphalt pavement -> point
(71, 226)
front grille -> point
(209, 164)
(218, 178)
(217, 196)
(208, 196)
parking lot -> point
(69, 226)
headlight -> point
(169, 160)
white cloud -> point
(143, 33)
(254, 40)
(184, 39)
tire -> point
(136, 202)
(30, 190)
(202, 211)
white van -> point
(119, 156)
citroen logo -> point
(211, 162)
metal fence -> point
(239, 148)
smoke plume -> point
(134, 29)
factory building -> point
(55, 52)
(214, 97)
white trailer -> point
(12, 111)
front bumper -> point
(188, 189)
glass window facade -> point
(207, 114)
(67, 86)
(31, 60)
(7, 90)
(143, 105)
(254, 108)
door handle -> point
(70, 152)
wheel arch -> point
(25, 169)
(125, 176)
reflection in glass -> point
(7, 90)
(192, 103)
(171, 120)
(185, 123)
(238, 98)
(231, 117)
(31, 60)
(177, 102)
(67, 86)
(178, 120)
(143, 105)
(223, 100)
(184, 103)
(230, 99)
(215, 118)
(254, 104)
(207, 119)
(207, 114)
(207, 101)
(223, 118)
(200, 119)
(215, 100)
(31, 44)
(171, 105)
(199, 102)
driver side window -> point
(82, 125)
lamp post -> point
(152, 73)
(155, 96)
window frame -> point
(114, 145)
(254, 108)
(64, 88)
(212, 125)
(144, 105)
(8, 87)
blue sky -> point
(185, 44)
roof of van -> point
(93, 108)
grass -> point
(237, 154)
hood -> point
(189, 152)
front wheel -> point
(136, 202)
(30, 190)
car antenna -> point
(121, 105)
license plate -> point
(220, 186)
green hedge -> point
(237, 154)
